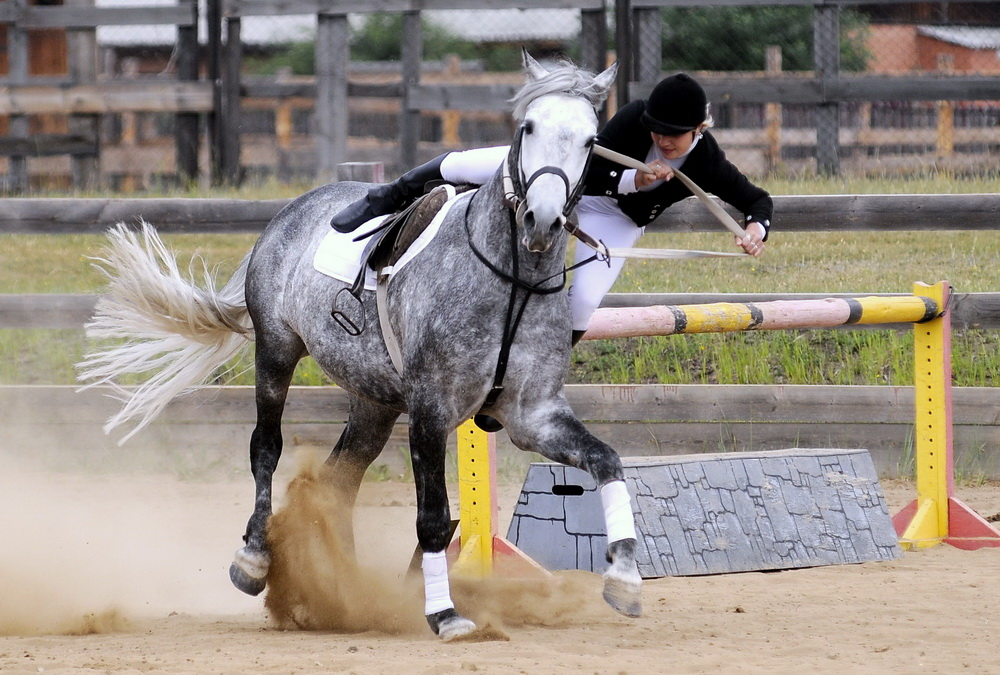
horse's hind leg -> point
(368, 429)
(275, 363)
(561, 437)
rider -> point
(666, 131)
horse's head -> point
(557, 111)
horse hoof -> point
(449, 624)
(623, 588)
(624, 597)
(249, 571)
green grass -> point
(822, 262)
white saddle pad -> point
(339, 256)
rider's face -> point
(673, 147)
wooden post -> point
(187, 141)
(648, 51)
(17, 60)
(826, 59)
(130, 129)
(450, 119)
(213, 19)
(409, 120)
(365, 172)
(231, 66)
(594, 46)
(332, 60)
(82, 55)
(772, 111)
(945, 141)
(623, 45)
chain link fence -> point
(482, 46)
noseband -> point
(515, 187)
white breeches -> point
(603, 220)
(600, 217)
(473, 167)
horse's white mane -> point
(565, 78)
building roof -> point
(487, 25)
(970, 37)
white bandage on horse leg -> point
(618, 511)
(437, 592)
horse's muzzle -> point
(540, 238)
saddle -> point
(389, 241)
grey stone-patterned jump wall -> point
(714, 513)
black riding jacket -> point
(706, 165)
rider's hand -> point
(660, 172)
(753, 242)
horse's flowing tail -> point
(161, 324)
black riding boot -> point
(388, 198)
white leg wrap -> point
(437, 592)
(618, 511)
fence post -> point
(826, 59)
(648, 36)
(17, 63)
(772, 111)
(594, 45)
(213, 18)
(230, 123)
(409, 120)
(623, 45)
(186, 136)
(945, 145)
(332, 59)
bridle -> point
(515, 186)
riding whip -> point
(716, 210)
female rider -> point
(666, 131)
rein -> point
(514, 313)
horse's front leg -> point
(561, 437)
(428, 438)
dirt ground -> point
(116, 574)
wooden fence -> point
(80, 94)
(223, 92)
(214, 424)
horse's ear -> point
(531, 66)
(606, 80)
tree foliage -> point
(380, 39)
(735, 38)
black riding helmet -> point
(675, 106)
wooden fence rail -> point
(794, 213)
(637, 420)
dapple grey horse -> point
(480, 318)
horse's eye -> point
(529, 127)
